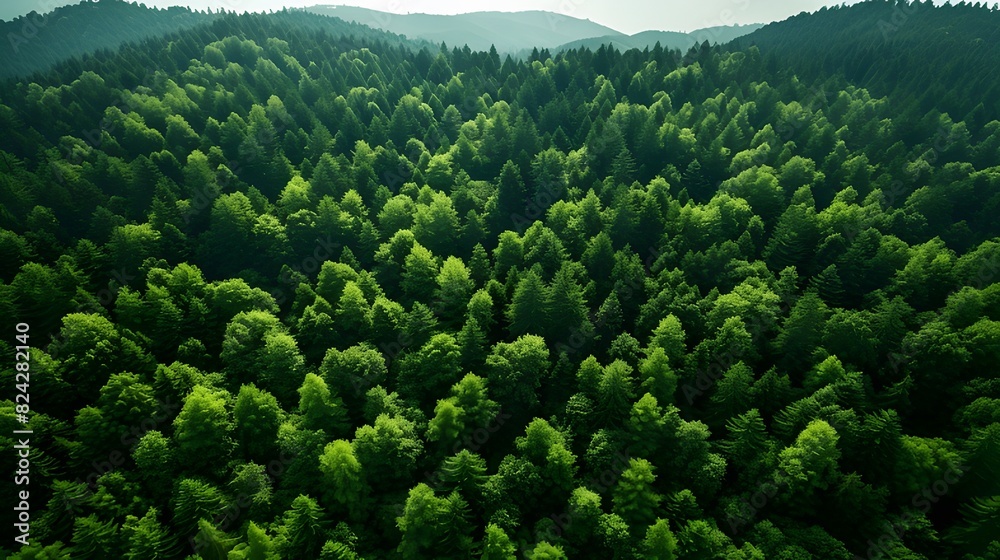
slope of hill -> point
(920, 55)
(13, 9)
(723, 33)
(667, 39)
(509, 32)
(298, 290)
(93, 53)
(35, 42)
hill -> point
(283, 286)
(508, 31)
(87, 36)
(667, 39)
(922, 56)
(13, 9)
(34, 42)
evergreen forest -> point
(292, 288)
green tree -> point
(812, 461)
(802, 331)
(568, 311)
(634, 498)
(319, 408)
(435, 225)
(670, 337)
(352, 318)
(511, 196)
(202, 430)
(147, 537)
(528, 312)
(420, 274)
(388, 450)
(615, 392)
(303, 528)
(546, 551)
(732, 395)
(659, 542)
(419, 523)
(258, 546)
(343, 478)
(515, 371)
(454, 289)
(657, 376)
(426, 375)
(256, 418)
(497, 545)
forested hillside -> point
(35, 42)
(880, 45)
(666, 39)
(295, 291)
(508, 32)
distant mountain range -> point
(82, 29)
(896, 50)
(518, 32)
(32, 43)
(667, 39)
(509, 32)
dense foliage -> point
(73, 35)
(35, 42)
(879, 44)
(295, 294)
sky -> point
(627, 16)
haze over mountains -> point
(479, 30)
(301, 288)
(81, 29)
(519, 32)
(666, 39)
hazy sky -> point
(629, 16)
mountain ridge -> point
(876, 44)
(667, 39)
(478, 30)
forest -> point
(289, 288)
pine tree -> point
(497, 545)
(827, 284)
(659, 543)
(803, 330)
(320, 409)
(304, 526)
(732, 393)
(343, 478)
(615, 393)
(634, 498)
(568, 309)
(528, 312)
(510, 198)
